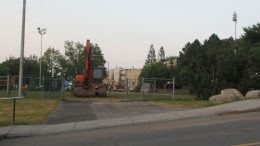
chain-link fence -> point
(145, 89)
(153, 88)
(33, 87)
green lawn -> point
(28, 110)
(34, 94)
(180, 100)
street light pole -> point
(235, 20)
(41, 32)
(22, 51)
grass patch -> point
(181, 101)
(28, 111)
(182, 104)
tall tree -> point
(98, 56)
(31, 66)
(151, 57)
(252, 34)
(75, 58)
(74, 54)
(11, 66)
(161, 55)
(52, 63)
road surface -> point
(239, 129)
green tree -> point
(155, 70)
(151, 57)
(52, 60)
(31, 66)
(11, 66)
(252, 34)
(161, 55)
(75, 58)
(98, 56)
(74, 55)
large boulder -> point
(253, 94)
(220, 99)
(231, 93)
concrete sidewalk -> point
(34, 130)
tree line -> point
(54, 63)
(207, 68)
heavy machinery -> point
(89, 83)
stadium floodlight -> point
(235, 20)
(41, 32)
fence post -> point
(62, 88)
(173, 88)
(7, 85)
(42, 86)
(126, 88)
(154, 88)
(142, 90)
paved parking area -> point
(71, 111)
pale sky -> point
(124, 29)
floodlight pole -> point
(41, 32)
(22, 51)
(235, 20)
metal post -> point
(235, 37)
(173, 88)
(40, 76)
(235, 20)
(7, 85)
(22, 51)
(126, 88)
(14, 103)
(41, 32)
(62, 88)
(154, 88)
(142, 90)
(42, 87)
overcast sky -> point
(124, 29)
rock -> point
(253, 94)
(220, 99)
(231, 93)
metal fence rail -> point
(146, 89)
(32, 87)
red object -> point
(84, 85)
(87, 67)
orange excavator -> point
(89, 83)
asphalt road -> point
(227, 130)
(69, 111)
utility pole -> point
(22, 51)
(235, 20)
